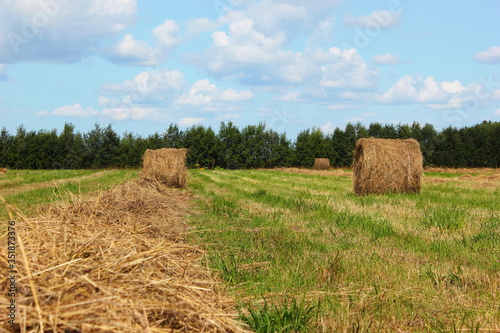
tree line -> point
(253, 146)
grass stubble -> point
(375, 263)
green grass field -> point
(390, 263)
(303, 253)
(31, 189)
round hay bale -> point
(321, 164)
(167, 165)
(386, 165)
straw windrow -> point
(115, 263)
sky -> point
(141, 65)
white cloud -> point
(452, 87)
(278, 16)
(327, 128)
(454, 103)
(202, 93)
(190, 121)
(251, 46)
(386, 59)
(231, 95)
(322, 34)
(122, 113)
(167, 34)
(135, 113)
(293, 96)
(227, 116)
(138, 53)
(198, 25)
(343, 107)
(354, 120)
(410, 90)
(207, 95)
(436, 95)
(132, 52)
(346, 69)
(60, 31)
(154, 86)
(377, 19)
(75, 110)
(490, 56)
(497, 113)
(496, 94)
(148, 96)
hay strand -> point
(321, 164)
(167, 165)
(386, 165)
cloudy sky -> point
(292, 64)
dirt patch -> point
(116, 262)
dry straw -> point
(115, 263)
(321, 164)
(385, 165)
(167, 165)
(3, 170)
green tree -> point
(404, 131)
(229, 146)
(255, 150)
(20, 149)
(375, 130)
(173, 137)
(310, 144)
(131, 150)
(202, 145)
(102, 146)
(72, 150)
(428, 138)
(6, 148)
(388, 131)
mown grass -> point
(29, 189)
(302, 253)
(398, 262)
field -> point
(391, 263)
(296, 247)
(31, 189)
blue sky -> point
(296, 64)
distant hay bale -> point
(167, 165)
(321, 164)
(3, 170)
(385, 165)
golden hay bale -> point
(3, 170)
(117, 262)
(321, 164)
(167, 165)
(386, 165)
